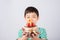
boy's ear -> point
(37, 18)
(24, 16)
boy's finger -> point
(33, 35)
(26, 34)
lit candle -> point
(30, 23)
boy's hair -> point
(31, 9)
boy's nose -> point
(30, 20)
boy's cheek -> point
(34, 21)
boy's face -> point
(31, 16)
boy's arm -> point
(43, 34)
(22, 35)
(19, 34)
(18, 39)
(36, 38)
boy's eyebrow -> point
(34, 15)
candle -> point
(30, 23)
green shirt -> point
(42, 34)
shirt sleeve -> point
(20, 33)
(43, 34)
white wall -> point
(11, 17)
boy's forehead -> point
(32, 14)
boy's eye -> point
(28, 17)
(34, 17)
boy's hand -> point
(25, 36)
(35, 37)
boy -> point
(33, 14)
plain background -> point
(12, 17)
